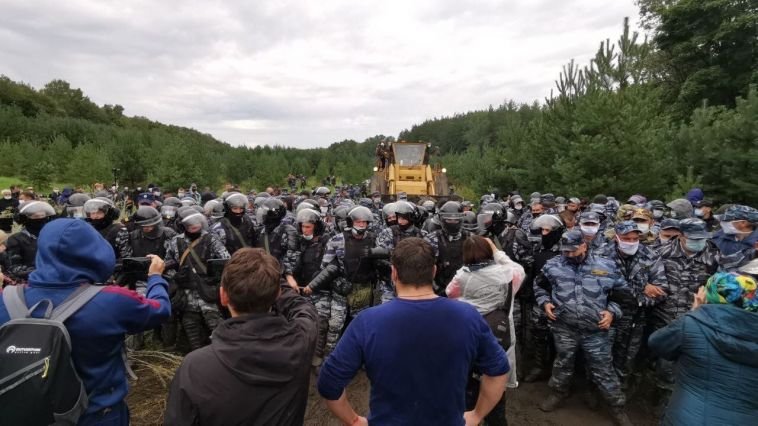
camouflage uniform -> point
(642, 268)
(344, 291)
(525, 221)
(388, 239)
(580, 293)
(196, 312)
(684, 274)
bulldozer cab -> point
(409, 154)
(408, 171)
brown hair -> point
(413, 260)
(567, 216)
(476, 249)
(251, 280)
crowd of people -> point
(264, 289)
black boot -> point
(552, 402)
(535, 374)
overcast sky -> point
(303, 73)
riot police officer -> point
(21, 247)
(189, 254)
(448, 241)
(103, 215)
(235, 230)
(278, 239)
(312, 248)
(388, 239)
(349, 268)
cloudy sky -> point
(302, 73)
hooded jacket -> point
(70, 252)
(256, 370)
(716, 347)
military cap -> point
(693, 228)
(739, 212)
(625, 227)
(571, 240)
(587, 217)
(670, 224)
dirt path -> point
(521, 408)
(147, 402)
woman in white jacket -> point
(489, 281)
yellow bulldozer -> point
(407, 170)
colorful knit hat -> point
(739, 290)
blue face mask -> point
(694, 245)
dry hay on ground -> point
(147, 394)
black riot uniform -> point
(448, 241)
(114, 232)
(21, 247)
(235, 230)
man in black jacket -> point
(256, 371)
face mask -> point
(324, 210)
(694, 245)
(307, 237)
(98, 224)
(657, 214)
(452, 228)
(729, 228)
(699, 212)
(34, 226)
(180, 195)
(628, 248)
(518, 206)
(7, 197)
(664, 239)
(377, 200)
(643, 227)
(193, 235)
(358, 232)
(589, 230)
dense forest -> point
(656, 115)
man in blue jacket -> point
(71, 253)
(418, 376)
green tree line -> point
(654, 115)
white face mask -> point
(628, 248)
(657, 214)
(643, 227)
(7, 197)
(181, 194)
(307, 237)
(729, 228)
(699, 212)
(589, 230)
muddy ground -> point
(147, 402)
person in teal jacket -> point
(715, 346)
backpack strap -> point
(15, 302)
(75, 301)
